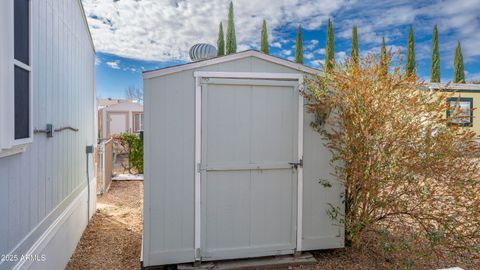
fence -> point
(105, 156)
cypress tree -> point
(458, 69)
(354, 45)
(329, 51)
(231, 46)
(299, 46)
(220, 41)
(410, 66)
(435, 67)
(383, 58)
(264, 41)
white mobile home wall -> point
(43, 194)
(170, 165)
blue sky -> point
(135, 35)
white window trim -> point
(12, 146)
(135, 121)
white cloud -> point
(287, 52)
(164, 30)
(320, 51)
(308, 55)
(456, 20)
(317, 63)
(311, 44)
(340, 56)
(276, 45)
(98, 61)
(114, 64)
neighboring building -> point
(47, 82)
(232, 163)
(123, 116)
(469, 99)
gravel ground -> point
(113, 238)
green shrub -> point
(135, 151)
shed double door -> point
(248, 188)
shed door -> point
(249, 136)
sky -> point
(131, 36)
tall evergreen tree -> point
(435, 67)
(220, 41)
(411, 65)
(329, 51)
(354, 45)
(458, 69)
(383, 58)
(231, 44)
(299, 46)
(264, 42)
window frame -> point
(135, 122)
(28, 68)
(461, 99)
(8, 144)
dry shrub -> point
(410, 178)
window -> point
(461, 109)
(138, 122)
(16, 79)
(22, 70)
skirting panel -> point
(56, 244)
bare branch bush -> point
(410, 176)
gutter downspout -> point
(88, 150)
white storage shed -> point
(231, 163)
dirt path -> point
(113, 238)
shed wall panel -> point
(319, 231)
(170, 166)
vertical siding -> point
(36, 182)
(170, 164)
(169, 160)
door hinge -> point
(199, 167)
(295, 165)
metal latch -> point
(297, 164)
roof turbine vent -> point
(202, 51)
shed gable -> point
(241, 59)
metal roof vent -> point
(202, 51)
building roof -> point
(123, 106)
(227, 58)
(106, 102)
(455, 87)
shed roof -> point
(231, 57)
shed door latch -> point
(295, 165)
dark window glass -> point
(22, 30)
(22, 103)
